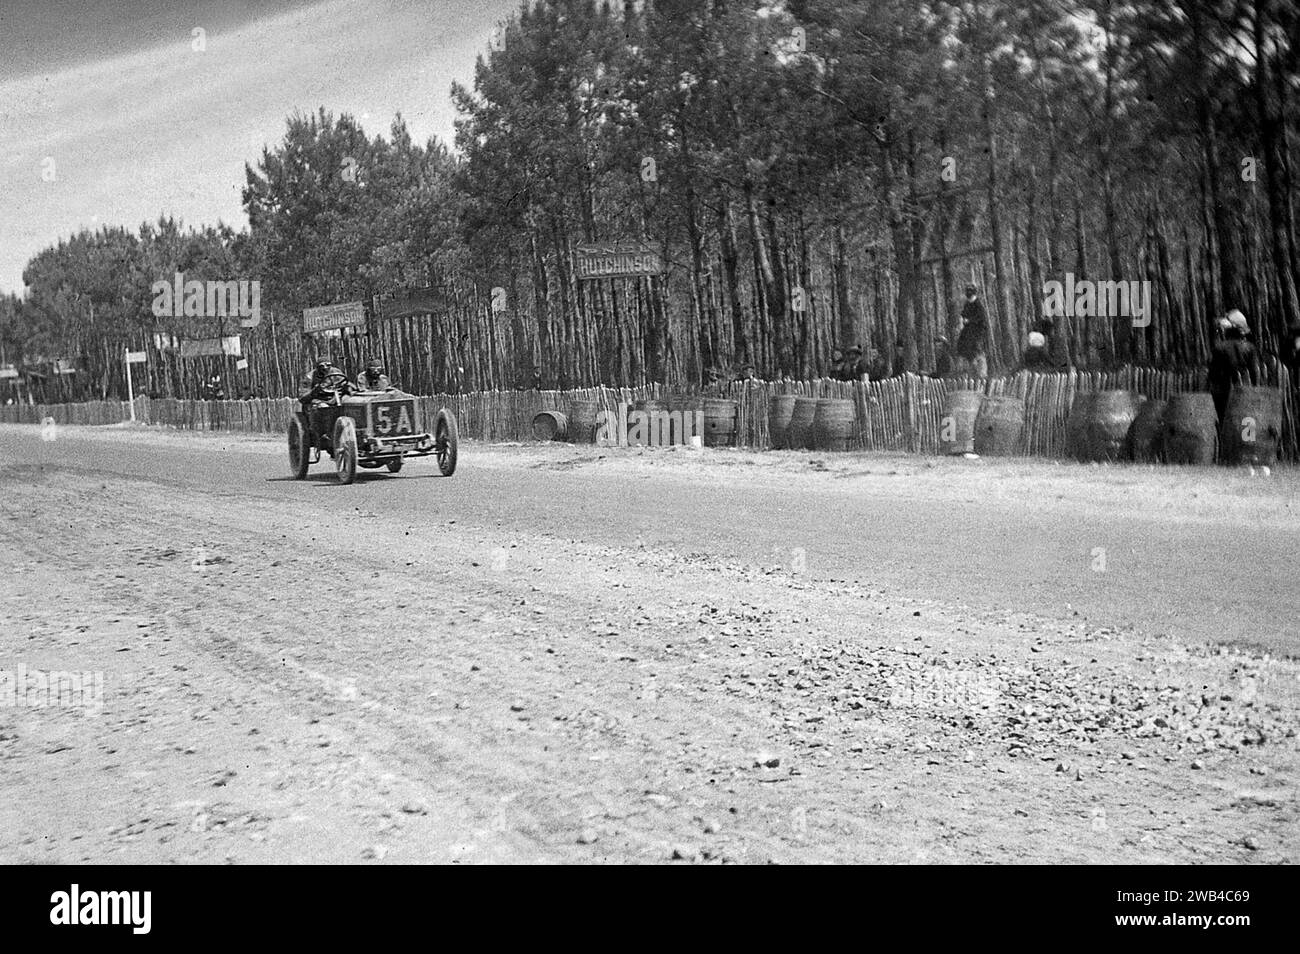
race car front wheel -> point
(345, 450)
(445, 439)
(299, 452)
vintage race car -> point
(368, 429)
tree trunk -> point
(1272, 130)
(773, 295)
(731, 275)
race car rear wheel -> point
(345, 450)
(299, 452)
(395, 465)
(445, 439)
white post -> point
(130, 390)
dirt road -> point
(578, 655)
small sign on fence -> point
(329, 317)
(210, 347)
(135, 357)
(8, 371)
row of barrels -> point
(986, 424)
(674, 421)
(794, 422)
(806, 423)
(1118, 425)
(1184, 429)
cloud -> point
(167, 130)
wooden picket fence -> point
(898, 414)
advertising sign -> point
(631, 259)
(330, 317)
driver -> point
(317, 389)
(373, 378)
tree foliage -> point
(816, 173)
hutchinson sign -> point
(617, 260)
(329, 317)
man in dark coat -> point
(320, 385)
(971, 357)
(1234, 360)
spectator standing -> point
(971, 357)
(1036, 356)
(1234, 360)
(838, 370)
(856, 367)
(1058, 351)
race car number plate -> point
(392, 418)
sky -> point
(110, 114)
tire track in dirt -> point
(648, 684)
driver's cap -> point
(374, 364)
(324, 359)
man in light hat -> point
(1058, 350)
(1234, 360)
(1036, 357)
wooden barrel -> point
(1076, 425)
(720, 421)
(799, 436)
(998, 426)
(1146, 433)
(1109, 419)
(550, 426)
(1189, 431)
(833, 422)
(1252, 426)
(957, 426)
(779, 410)
(582, 419)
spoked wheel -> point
(299, 452)
(345, 450)
(395, 465)
(445, 438)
